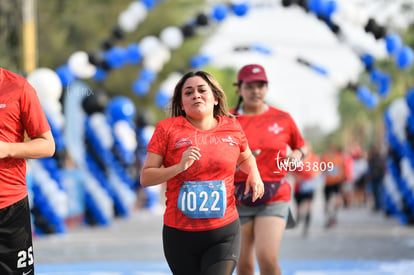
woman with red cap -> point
(270, 133)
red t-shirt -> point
(20, 111)
(269, 135)
(219, 147)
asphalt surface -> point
(360, 235)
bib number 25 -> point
(203, 199)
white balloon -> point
(52, 108)
(399, 112)
(103, 131)
(407, 172)
(168, 85)
(127, 21)
(149, 44)
(60, 201)
(79, 64)
(156, 59)
(172, 37)
(47, 84)
(153, 63)
(147, 132)
(125, 135)
(138, 9)
(164, 53)
(361, 18)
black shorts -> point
(332, 189)
(301, 197)
(193, 252)
(16, 249)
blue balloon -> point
(315, 6)
(384, 85)
(409, 97)
(410, 123)
(369, 99)
(133, 54)
(319, 69)
(368, 60)
(372, 101)
(161, 99)
(328, 7)
(219, 12)
(387, 120)
(393, 43)
(149, 4)
(65, 74)
(240, 9)
(141, 87)
(148, 75)
(199, 61)
(261, 49)
(120, 108)
(381, 80)
(405, 57)
(375, 75)
(116, 57)
(363, 93)
(100, 75)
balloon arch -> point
(104, 141)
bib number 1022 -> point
(204, 199)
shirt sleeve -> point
(296, 139)
(33, 117)
(159, 141)
(242, 136)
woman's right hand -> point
(255, 183)
(188, 157)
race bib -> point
(203, 199)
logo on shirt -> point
(183, 142)
(229, 140)
(2, 105)
(275, 128)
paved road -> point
(362, 238)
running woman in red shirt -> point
(270, 132)
(196, 152)
(20, 112)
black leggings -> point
(209, 252)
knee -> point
(245, 268)
(269, 265)
(270, 268)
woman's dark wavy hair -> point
(221, 109)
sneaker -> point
(330, 223)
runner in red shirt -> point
(306, 178)
(20, 113)
(334, 181)
(270, 133)
(196, 152)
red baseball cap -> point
(251, 73)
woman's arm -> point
(41, 146)
(247, 163)
(153, 172)
(299, 153)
